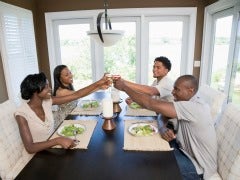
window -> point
(220, 51)
(121, 58)
(17, 45)
(74, 50)
(220, 57)
(140, 45)
(166, 39)
(235, 75)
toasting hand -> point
(119, 83)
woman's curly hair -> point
(31, 84)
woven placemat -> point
(143, 143)
(85, 137)
(80, 111)
(139, 112)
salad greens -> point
(142, 130)
(69, 130)
(135, 105)
(90, 104)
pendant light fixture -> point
(107, 37)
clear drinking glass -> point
(110, 78)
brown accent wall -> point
(39, 7)
(27, 4)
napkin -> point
(143, 143)
(85, 137)
(139, 112)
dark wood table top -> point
(104, 158)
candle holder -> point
(116, 107)
(108, 125)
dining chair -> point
(228, 133)
(13, 156)
(214, 98)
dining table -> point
(104, 157)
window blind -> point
(18, 47)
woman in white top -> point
(35, 118)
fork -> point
(76, 141)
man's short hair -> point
(192, 80)
(165, 61)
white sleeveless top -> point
(40, 130)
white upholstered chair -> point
(13, 156)
(214, 98)
(228, 137)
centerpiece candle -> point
(107, 105)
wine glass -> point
(110, 78)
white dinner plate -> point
(142, 129)
(60, 131)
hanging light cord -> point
(107, 21)
(106, 17)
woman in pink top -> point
(35, 118)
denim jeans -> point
(187, 169)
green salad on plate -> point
(68, 130)
(142, 129)
(135, 105)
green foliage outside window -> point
(121, 58)
(76, 55)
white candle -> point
(115, 95)
(107, 105)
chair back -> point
(228, 137)
(214, 98)
(13, 156)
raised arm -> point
(142, 88)
(103, 83)
(164, 108)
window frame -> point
(218, 9)
(142, 13)
(185, 66)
